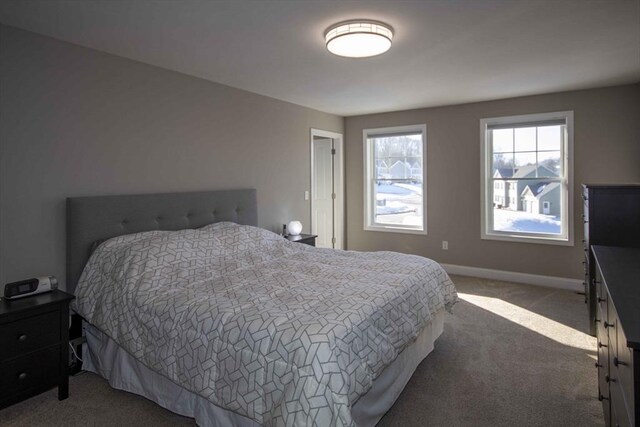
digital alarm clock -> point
(25, 288)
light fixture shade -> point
(295, 228)
(358, 38)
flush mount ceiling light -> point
(358, 38)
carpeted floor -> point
(510, 355)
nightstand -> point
(34, 346)
(307, 239)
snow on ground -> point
(508, 220)
(392, 208)
(393, 189)
(399, 198)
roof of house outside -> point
(503, 173)
(525, 171)
(541, 188)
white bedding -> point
(279, 332)
(104, 357)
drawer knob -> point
(22, 338)
(617, 362)
(22, 376)
(609, 379)
(608, 325)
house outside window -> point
(527, 163)
(395, 179)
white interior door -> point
(326, 188)
(322, 192)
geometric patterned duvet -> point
(280, 332)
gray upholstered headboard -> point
(91, 219)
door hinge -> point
(333, 151)
(333, 240)
(333, 196)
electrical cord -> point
(74, 352)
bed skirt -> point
(106, 358)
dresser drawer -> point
(29, 334)
(622, 367)
(620, 413)
(37, 370)
(603, 368)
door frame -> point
(338, 183)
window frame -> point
(369, 170)
(566, 182)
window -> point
(394, 182)
(531, 156)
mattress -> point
(274, 331)
(106, 358)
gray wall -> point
(606, 149)
(75, 121)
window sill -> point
(395, 230)
(506, 237)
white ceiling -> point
(444, 52)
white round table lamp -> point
(295, 228)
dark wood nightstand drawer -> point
(29, 334)
(38, 370)
(307, 239)
(34, 346)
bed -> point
(189, 304)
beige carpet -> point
(510, 355)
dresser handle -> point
(22, 338)
(617, 362)
(22, 376)
(609, 379)
(608, 325)
(601, 345)
(602, 299)
(601, 398)
(598, 365)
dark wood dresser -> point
(611, 218)
(34, 346)
(617, 284)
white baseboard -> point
(510, 276)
